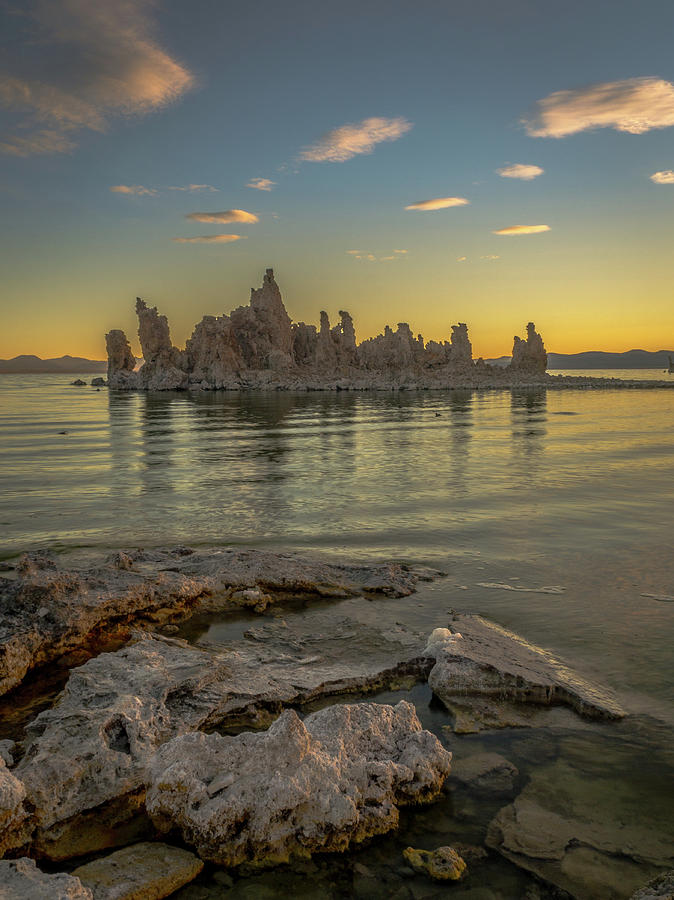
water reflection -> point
(528, 413)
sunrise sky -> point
(487, 161)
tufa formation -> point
(258, 346)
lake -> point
(551, 511)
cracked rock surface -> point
(301, 787)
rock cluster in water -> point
(258, 346)
(137, 743)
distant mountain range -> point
(600, 359)
(590, 359)
(26, 365)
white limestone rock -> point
(300, 787)
(48, 610)
(87, 758)
(488, 677)
(20, 879)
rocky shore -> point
(160, 755)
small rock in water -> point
(443, 864)
(141, 871)
(78, 382)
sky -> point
(488, 161)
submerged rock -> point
(321, 784)
(147, 871)
(581, 823)
(486, 773)
(258, 346)
(49, 610)
(442, 864)
(488, 677)
(20, 879)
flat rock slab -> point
(20, 879)
(94, 746)
(48, 610)
(318, 785)
(146, 871)
(490, 677)
(582, 823)
(486, 773)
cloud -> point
(461, 258)
(635, 105)
(438, 203)
(136, 189)
(78, 65)
(372, 257)
(261, 184)
(522, 229)
(210, 239)
(664, 177)
(43, 141)
(352, 140)
(193, 188)
(224, 218)
(521, 171)
(490, 256)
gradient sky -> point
(152, 98)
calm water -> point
(526, 489)
(551, 511)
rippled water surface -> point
(552, 511)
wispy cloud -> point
(46, 140)
(634, 105)
(366, 256)
(352, 140)
(80, 65)
(514, 230)
(490, 256)
(210, 239)
(224, 218)
(664, 177)
(261, 184)
(521, 171)
(461, 258)
(438, 203)
(137, 190)
(194, 188)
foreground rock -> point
(299, 788)
(20, 879)
(13, 814)
(49, 610)
(87, 759)
(258, 346)
(147, 871)
(488, 677)
(581, 822)
(442, 864)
